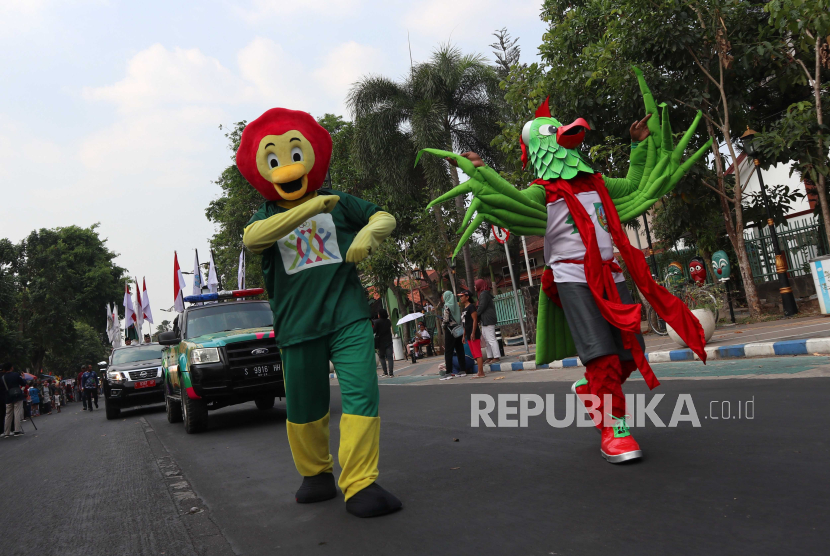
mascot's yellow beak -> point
(285, 161)
(291, 182)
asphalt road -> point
(730, 486)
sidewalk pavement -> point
(785, 337)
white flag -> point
(116, 327)
(240, 274)
(213, 281)
(129, 312)
(139, 315)
(197, 276)
(145, 303)
(109, 323)
(178, 285)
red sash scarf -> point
(601, 281)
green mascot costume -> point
(587, 308)
(310, 240)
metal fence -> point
(506, 308)
(800, 241)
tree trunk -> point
(735, 230)
(821, 185)
(401, 309)
(465, 251)
(37, 360)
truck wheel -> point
(174, 409)
(265, 402)
(195, 414)
(111, 411)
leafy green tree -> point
(231, 213)
(698, 54)
(804, 42)
(65, 276)
(87, 349)
(14, 347)
(448, 102)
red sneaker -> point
(617, 443)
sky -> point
(110, 110)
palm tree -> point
(450, 102)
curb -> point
(814, 346)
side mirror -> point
(102, 364)
(169, 338)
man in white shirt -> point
(422, 338)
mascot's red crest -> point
(277, 121)
(542, 112)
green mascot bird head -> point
(551, 146)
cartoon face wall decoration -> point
(720, 265)
(674, 274)
(697, 270)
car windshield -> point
(137, 353)
(224, 317)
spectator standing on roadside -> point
(89, 380)
(383, 342)
(56, 395)
(487, 315)
(79, 382)
(472, 330)
(34, 399)
(451, 320)
(12, 385)
(46, 399)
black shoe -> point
(20, 433)
(316, 489)
(96, 405)
(373, 501)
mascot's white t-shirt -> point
(563, 241)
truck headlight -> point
(115, 376)
(204, 355)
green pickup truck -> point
(220, 354)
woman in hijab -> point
(451, 321)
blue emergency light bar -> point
(224, 295)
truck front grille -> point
(251, 355)
(145, 374)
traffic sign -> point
(501, 234)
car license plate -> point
(145, 383)
(261, 370)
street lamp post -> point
(786, 291)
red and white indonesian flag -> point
(145, 302)
(129, 311)
(178, 285)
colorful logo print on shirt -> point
(313, 243)
(599, 212)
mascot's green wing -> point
(495, 201)
(522, 212)
(655, 166)
(553, 335)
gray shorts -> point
(593, 335)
